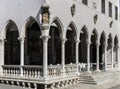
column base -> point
(78, 73)
(97, 70)
(88, 71)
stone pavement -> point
(111, 85)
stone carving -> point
(45, 18)
(95, 18)
(45, 13)
(73, 9)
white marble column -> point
(45, 56)
(21, 54)
(77, 57)
(97, 56)
(63, 54)
(112, 48)
(2, 42)
(88, 57)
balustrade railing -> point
(11, 70)
(54, 71)
(70, 69)
(82, 67)
(32, 71)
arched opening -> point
(115, 51)
(83, 48)
(54, 44)
(12, 45)
(33, 44)
(109, 51)
(70, 45)
(93, 50)
(102, 51)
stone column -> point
(77, 57)
(97, 57)
(21, 54)
(112, 48)
(88, 57)
(45, 56)
(2, 42)
(63, 55)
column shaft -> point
(45, 56)
(112, 56)
(63, 55)
(22, 56)
(88, 57)
(2, 57)
(77, 57)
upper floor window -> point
(85, 2)
(110, 9)
(103, 6)
(116, 12)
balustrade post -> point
(45, 56)
(63, 55)
(77, 57)
(21, 55)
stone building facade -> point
(51, 42)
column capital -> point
(77, 41)
(97, 44)
(88, 42)
(63, 40)
(45, 38)
(2, 41)
(21, 39)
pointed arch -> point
(33, 50)
(86, 33)
(102, 50)
(116, 40)
(9, 24)
(72, 27)
(29, 22)
(110, 39)
(10, 34)
(57, 23)
(103, 37)
(70, 43)
(95, 35)
(54, 43)
(93, 49)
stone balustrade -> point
(55, 71)
(32, 71)
(70, 69)
(11, 70)
(82, 67)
